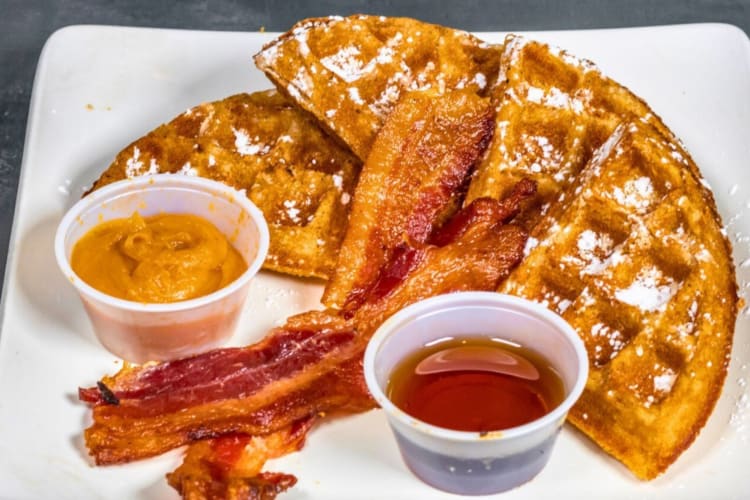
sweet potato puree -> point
(161, 258)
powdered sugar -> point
(636, 194)
(535, 95)
(245, 146)
(349, 67)
(591, 246)
(651, 291)
(354, 96)
(338, 180)
(292, 211)
(480, 80)
(134, 165)
(188, 170)
(344, 63)
(531, 244)
(663, 383)
(556, 98)
(382, 105)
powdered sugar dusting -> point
(245, 146)
(651, 291)
(134, 165)
(347, 65)
(611, 337)
(480, 80)
(188, 170)
(338, 180)
(635, 194)
(535, 95)
(344, 63)
(556, 98)
(301, 84)
(354, 96)
(590, 246)
(663, 383)
(531, 244)
(300, 34)
(382, 105)
(292, 211)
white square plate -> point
(99, 88)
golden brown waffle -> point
(554, 110)
(349, 72)
(289, 167)
(632, 255)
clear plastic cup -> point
(141, 332)
(473, 463)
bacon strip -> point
(229, 467)
(403, 260)
(158, 409)
(312, 365)
(226, 373)
(487, 209)
(482, 255)
(477, 223)
(409, 184)
(154, 422)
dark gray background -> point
(26, 24)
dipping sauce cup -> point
(141, 332)
(476, 463)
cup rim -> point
(459, 299)
(154, 182)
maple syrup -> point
(477, 384)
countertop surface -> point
(26, 24)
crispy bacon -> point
(476, 226)
(229, 467)
(403, 260)
(153, 423)
(409, 184)
(477, 232)
(479, 259)
(293, 373)
(312, 365)
(225, 373)
(487, 209)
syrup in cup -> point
(486, 462)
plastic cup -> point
(473, 463)
(141, 332)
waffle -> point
(298, 176)
(554, 110)
(349, 72)
(632, 255)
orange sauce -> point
(476, 384)
(156, 259)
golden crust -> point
(554, 110)
(350, 72)
(633, 257)
(626, 244)
(298, 176)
